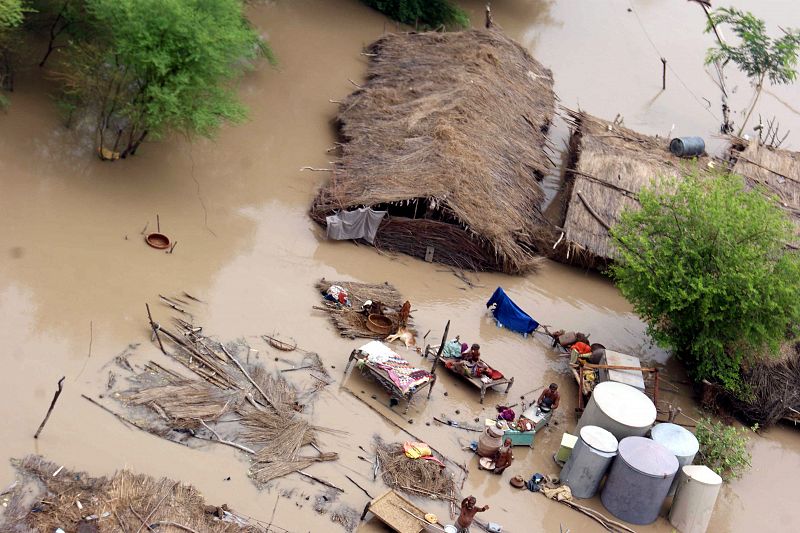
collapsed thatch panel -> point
(122, 502)
(607, 167)
(349, 321)
(448, 134)
(777, 171)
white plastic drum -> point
(589, 461)
(696, 496)
(679, 441)
(620, 409)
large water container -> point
(687, 146)
(698, 488)
(639, 480)
(679, 441)
(620, 409)
(589, 461)
(490, 441)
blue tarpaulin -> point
(508, 314)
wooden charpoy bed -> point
(368, 359)
(396, 512)
(438, 359)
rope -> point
(669, 66)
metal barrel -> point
(589, 461)
(687, 146)
(619, 408)
(680, 441)
(639, 480)
(693, 505)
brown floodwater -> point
(75, 272)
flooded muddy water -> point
(75, 273)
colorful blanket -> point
(406, 377)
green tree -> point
(758, 55)
(12, 13)
(424, 14)
(155, 66)
(707, 267)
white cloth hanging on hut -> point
(359, 224)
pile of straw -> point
(417, 476)
(124, 502)
(449, 135)
(225, 400)
(348, 320)
(607, 166)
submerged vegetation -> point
(423, 14)
(723, 448)
(12, 14)
(758, 55)
(138, 69)
(708, 268)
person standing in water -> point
(503, 457)
(468, 512)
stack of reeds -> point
(52, 497)
(417, 476)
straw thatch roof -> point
(608, 165)
(449, 135)
(51, 497)
(777, 171)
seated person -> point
(474, 354)
(549, 398)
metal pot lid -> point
(599, 439)
(648, 457)
(675, 438)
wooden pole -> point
(52, 404)
(155, 329)
(441, 348)
(663, 74)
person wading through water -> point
(468, 512)
(503, 457)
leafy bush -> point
(723, 448)
(426, 14)
(707, 268)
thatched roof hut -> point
(777, 171)
(449, 135)
(607, 166)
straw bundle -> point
(418, 476)
(607, 166)
(449, 135)
(120, 503)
